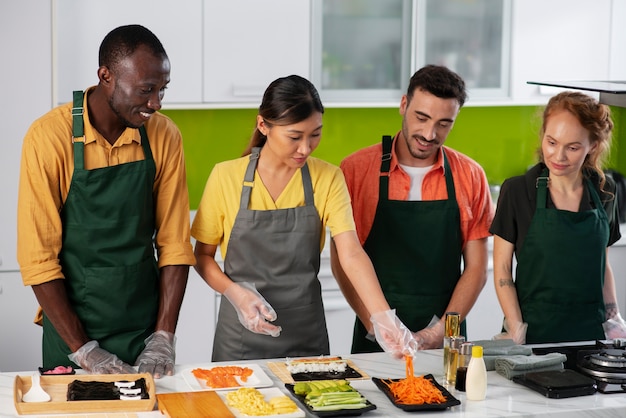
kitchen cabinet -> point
(80, 27)
(357, 52)
(366, 51)
(562, 40)
(20, 338)
(361, 49)
(196, 323)
(250, 43)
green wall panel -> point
(502, 139)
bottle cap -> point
(453, 324)
(477, 351)
(466, 349)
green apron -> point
(107, 257)
(560, 271)
(416, 249)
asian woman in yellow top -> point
(268, 212)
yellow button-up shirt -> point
(47, 166)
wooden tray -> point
(56, 386)
(279, 368)
(193, 404)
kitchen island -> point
(504, 398)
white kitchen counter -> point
(504, 398)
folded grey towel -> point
(510, 366)
(493, 349)
(503, 348)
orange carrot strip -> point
(414, 390)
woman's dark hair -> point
(438, 81)
(121, 42)
(286, 101)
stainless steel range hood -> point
(612, 93)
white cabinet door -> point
(558, 40)
(81, 26)
(20, 338)
(196, 323)
(249, 43)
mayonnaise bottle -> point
(476, 379)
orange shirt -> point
(362, 171)
(46, 171)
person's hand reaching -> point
(392, 335)
(159, 356)
(253, 311)
(96, 360)
(432, 335)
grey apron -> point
(560, 271)
(278, 251)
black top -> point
(518, 200)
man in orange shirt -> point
(102, 183)
(420, 210)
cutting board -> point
(193, 404)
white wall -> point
(26, 86)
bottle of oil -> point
(452, 330)
(453, 359)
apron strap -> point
(145, 144)
(385, 165)
(596, 199)
(542, 189)
(248, 179)
(78, 127)
(449, 180)
(308, 186)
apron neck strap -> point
(78, 126)
(248, 181)
(385, 166)
(542, 188)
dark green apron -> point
(107, 257)
(279, 251)
(560, 271)
(416, 249)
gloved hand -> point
(159, 355)
(392, 335)
(432, 335)
(99, 361)
(514, 330)
(252, 309)
(614, 327)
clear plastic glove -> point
(98, 361)
(252, 309)
(514, 330)
(392, 335)
(432, 335)
(615, 327)
(159, 355)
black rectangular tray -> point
(338, 413)
(558, 384)
(450, 400)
